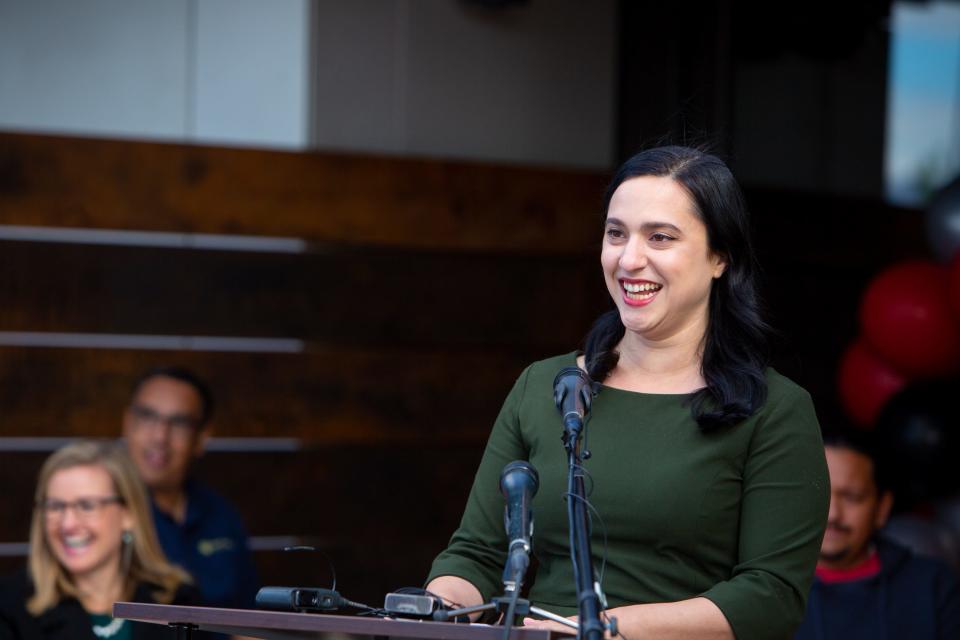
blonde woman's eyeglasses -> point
(83, 507)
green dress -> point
(736, 515)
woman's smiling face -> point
(84, 520)
(656, 260)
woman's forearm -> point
(696, 618)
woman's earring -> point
(126, 538)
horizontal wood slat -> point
(358, 297)
(328, 396)
(323, 197)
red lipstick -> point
(638, 292)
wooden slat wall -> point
(364, 297)
(327, 198)
(325, 397)
(425, 289)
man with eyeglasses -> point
(165, 428)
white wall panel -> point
(251, 79)
(114, 67)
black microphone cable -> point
(593, 511)
(311, 549)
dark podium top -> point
(279, 625)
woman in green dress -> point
(707, 469)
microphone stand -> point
(501, 605)
(510, 604)
(588, 601)
(573, 403)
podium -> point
(280, 625)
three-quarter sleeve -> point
(786, 495)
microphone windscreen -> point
(519, 474)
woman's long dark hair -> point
(735, 346)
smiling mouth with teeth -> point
(637, 291)
(74, 542)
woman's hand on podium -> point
(694, 619)
(550, 625)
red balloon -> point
(906, 319)
(866, 383)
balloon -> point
(866, 383)
(943, 221)
(918, 441)
(906, 319)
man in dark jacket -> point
(867, 587)
(166, 429)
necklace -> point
(108, 630)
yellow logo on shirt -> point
(214, 545)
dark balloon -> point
(866, 383)
(919, 442)
(907, 320)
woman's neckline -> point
(652, 394)
(665, 394)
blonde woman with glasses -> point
(92, 543)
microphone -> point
(519, 482)
(299, 599)
(573, 392)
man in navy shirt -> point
(165, 427)
(865, 586)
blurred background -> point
(359, 220)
